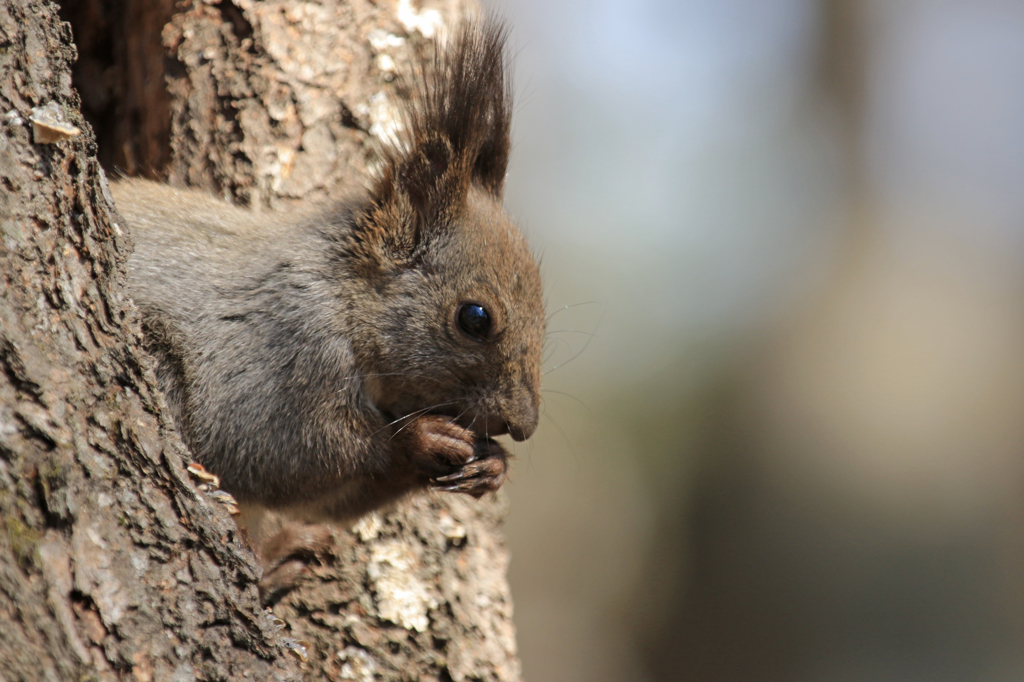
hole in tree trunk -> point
(120, 76)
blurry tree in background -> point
(825, 482)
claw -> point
(473, 489)
(476, 478)
(457, 476)
(471, 483)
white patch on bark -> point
(385, 120)
(401, 597)
(369, 527)
(357, 665)
(428, 22)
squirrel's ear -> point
(424, 177)
(414, 195)
(456, 134)
(466, 97)
(457, 128)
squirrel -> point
(326, 364)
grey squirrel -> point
(326, 364)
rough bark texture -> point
(287, 99)
(415, 594)
(111, 563)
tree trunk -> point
(112, 564)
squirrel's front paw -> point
(439, 445)
(455, 460)
(484, 474)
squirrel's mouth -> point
(481, 425)
(400, 412)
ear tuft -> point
(421, 177)
(457, 128)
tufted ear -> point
(466, 98)
(456, 134)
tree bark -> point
(112, 564)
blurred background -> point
(783, 431)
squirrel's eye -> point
(475, 321)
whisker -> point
(592, 336)
(570, 331)
(570, 395)
(548, 354)
(508, 428)
(464, 411)
(573, 305)
(568, 442)
(562, 341)
(393, 422)
(411, 416)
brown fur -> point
(316, 363)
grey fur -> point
(315, 362)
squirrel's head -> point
(454, 321)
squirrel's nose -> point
(523, 417)
(523, 424)
(522, 432)
(519, 426)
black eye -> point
(475, 321)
